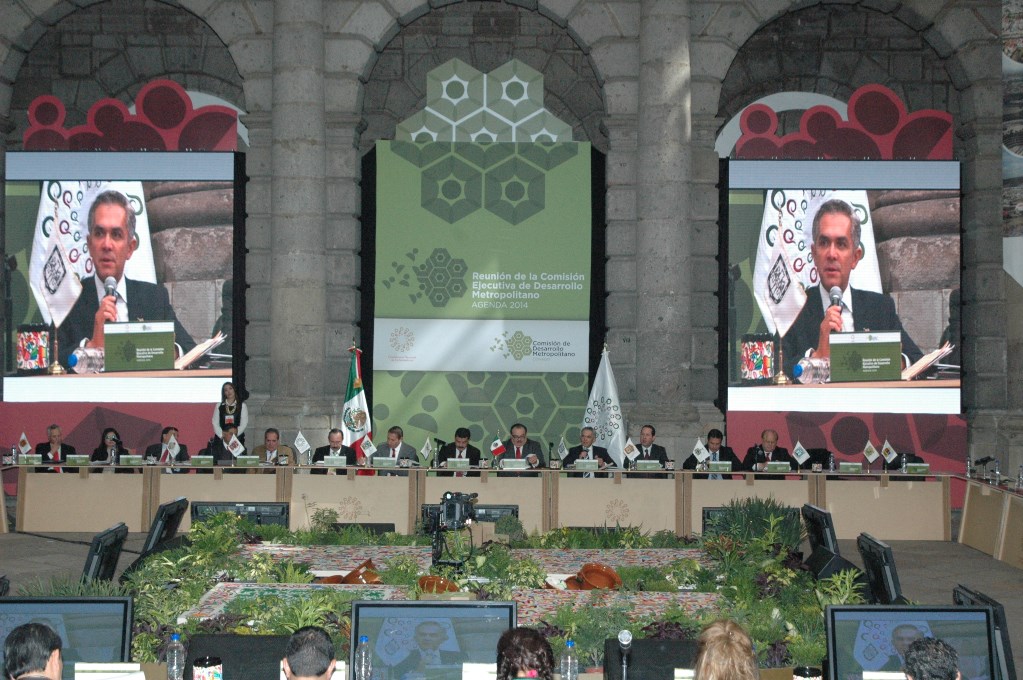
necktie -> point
(586, 454)
(394, 453)
(165, 455)
(460, 453)
(714, 457)
(646, 452)
(518, 452)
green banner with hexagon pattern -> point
(483, 261)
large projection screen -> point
(482, 288)
(910, 216)
(190, 242)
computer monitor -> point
(256, 512)
(879, 566)
(104, 552)
(165, 525)
(966, 597)
(92, 629)
(824, 559)
(873, 638)
(460, 631)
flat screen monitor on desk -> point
(868, 637)
(92, 629)
(104, 552)
(967, 597)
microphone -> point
(625, 642)
(980, 462)
(110, 286)
(836, 296)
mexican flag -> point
(355, 416)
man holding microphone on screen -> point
(834, 306)
(109, 296)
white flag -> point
(235, 447)
(782, 295)
(700, 451)
(23, 445)
(889, 452)
(426, 453)
(604, 411)
(800, 453)
(631, 450)
(869, 452)
(368, 448)
(301, 445)
(562, 448)
(64, 213)
(788, 224)
(57, 284)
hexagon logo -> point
(452, 189)
(424, 126)
(515, 191)
(514, 90)
(454, 90)
(442, 277)
(483, 127)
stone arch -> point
(129, 42)
(486, 35)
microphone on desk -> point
(110, 286)
(980, 462)
(836, 296)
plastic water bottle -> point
(87, 360)
(812, 371)
(998, 472)
(969, 467)
(831, 461)
(569, 662)
(1019, 479)
(362, 664)
(175, 658)
(903, 461)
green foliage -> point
(645, 578)
(402, 570)
(324, 519)
(511, 526)
(748, 519)
(67, 586)
(590, 624)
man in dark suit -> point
(648, 450)
(518, 446)
(397, 448)
(717, 453)
(460, 448)
(768, 451)
(429, 637)
(837, 249)
(903, 636)
(586, 450)
(168, 450)
(335, 447)
(112, 241)
(54, 450)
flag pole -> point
(779, 366)
(54, 368)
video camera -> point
(456, 510)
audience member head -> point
(725, 652)
(309, 654)
(228, 395)
(524, 653)
(931, 659)
(110, 439)
(33, 649)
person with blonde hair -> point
(725, 652)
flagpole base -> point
(779, 376)
(55, 369)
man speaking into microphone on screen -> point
(833, 306)
(109, 296)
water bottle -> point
(998, 472)
(812, 371)
(903, 461)
(569, 662)
(1019, 479)
(175, 658)
(969, 466)
(87, 360)
(362, 664)
(831, 462)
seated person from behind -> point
(524, 653)
(32, 651)
(54, 450)
(725, 652)
(272, 451)
(112, 241)
(169, 450)
(836, 250)
(430, 636)
(587, 451)
(458, 449)
(932, 659)
(717, 453)
(768, 451)
(309, 655)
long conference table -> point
(887, 506)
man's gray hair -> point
(837, 206)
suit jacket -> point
(321, 452)
(448, 451)
(145, 301)
(725, 454)
(657, 452)
(596, 452)
(101, 455)
(156, 450)
(756, 454)
(44, 450)
(281, 449)
(410, 664)
(871, 311)
(531, 447)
